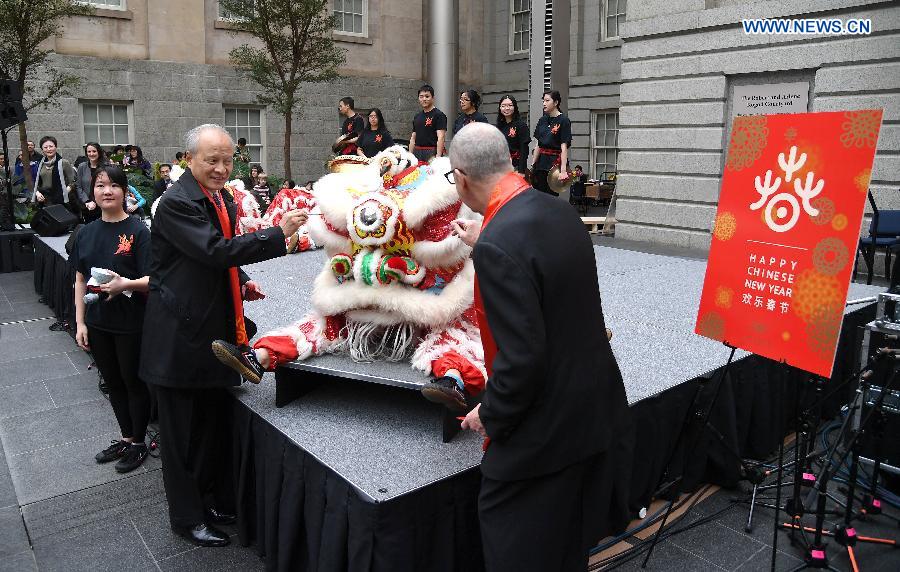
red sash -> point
(234, 282)
(509, 187)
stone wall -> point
(168, 98)
(678, 60)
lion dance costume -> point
(397, 284)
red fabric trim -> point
(233, 279)
(509, 187)
(282, 349)
(395, 180)
(473, 379)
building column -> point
(443, 49)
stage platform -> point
(354, 475)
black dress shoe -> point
(217, 517)
(203, 535)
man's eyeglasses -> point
(449, 175)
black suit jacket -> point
(190, 304)
(555, 396)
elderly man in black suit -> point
(196, 293)
(554, 405)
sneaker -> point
(240, 359)
(446, 391)
(113, 452)
(133, 458)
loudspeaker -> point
(11, 110)
(54, 220)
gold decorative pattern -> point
(813, 290)
(749, 136)
(825, 206)
(839, 222)
(860, 128)
(830, 256)
(712, 325)
(725, 226)
(724, 296)
(823, 329)
(861, 180)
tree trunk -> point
(26, 160)
(288, 119)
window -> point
(351, 17)
(604, 142)
(519, 26)
(106, 123)
(225, 15)
(111, 4)
(613, 18)
(247, 122)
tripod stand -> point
(845, 535)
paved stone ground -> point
(59, 510)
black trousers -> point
(117, 357)
(539, 182)
(196, 437)
(547, 523)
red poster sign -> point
(786, 233)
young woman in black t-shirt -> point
(110, 327)
(469, 102)
(554, 135)
(516, 132)
(375, 138)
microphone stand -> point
(673, 487)
(816, 556)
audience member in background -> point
(261, 191)
(33, 154)
(351, 128)
(117, 155)
(55, 182)
(135, 158)
(164, 182)
(429, 127)
(241, 153)
(110, 327)
(469, 102)
(288, 184)
(516, 132)
(309, 185)
(376, 137)
(84, 175)
(81, 158)
(179, 158)
(134, 202)
(251, 179)
(3, 177)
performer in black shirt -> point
(469, 102)
(353, 125)
(376, 138)
(109, 324)
(554, 135)
(429, 128)
(516, 132)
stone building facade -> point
(152, 69)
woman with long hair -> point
(134, 157)
(516, 132)
(115, 250)
(375, 138)
(469, 102)
(84, 174)
(554, 136)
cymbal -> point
(555, 184)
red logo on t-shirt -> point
(428, 121)
(125, 243)
(555, 129)
(512, 132)
(378, 138)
